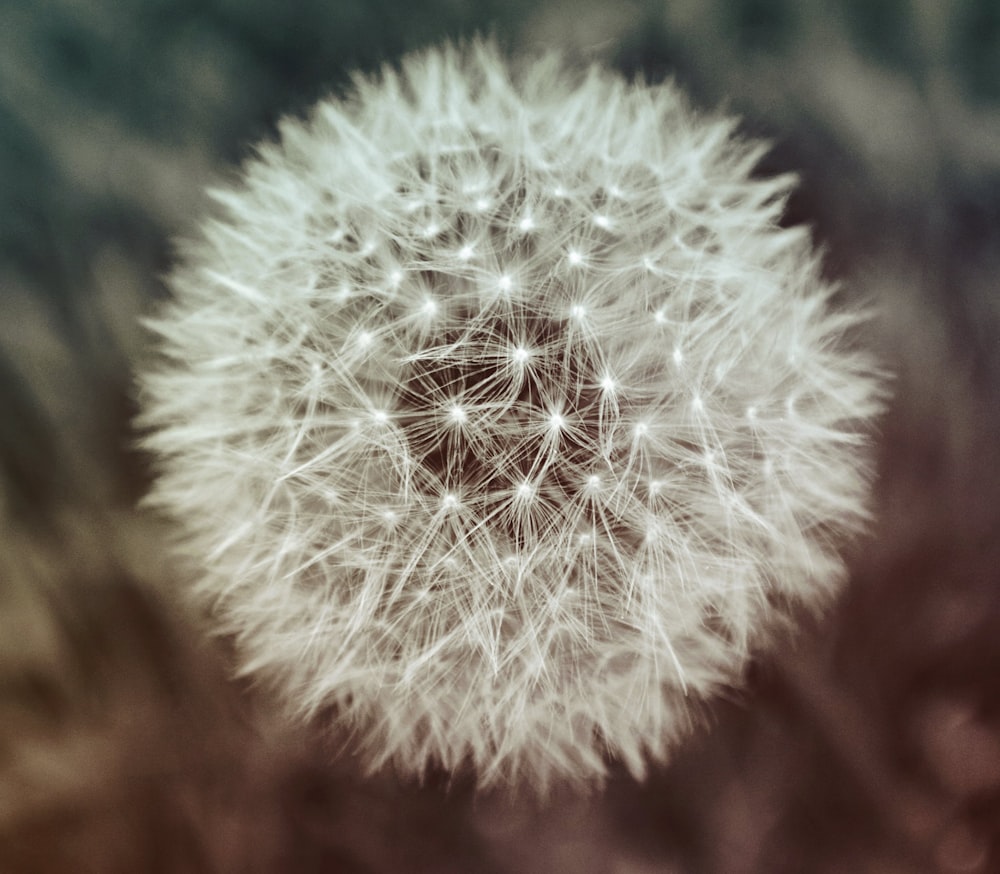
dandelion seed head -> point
(448, 444)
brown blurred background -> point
(870, 743)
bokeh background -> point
(869, 743)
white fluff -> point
(503, 420)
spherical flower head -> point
(502, 418)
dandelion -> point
(503, 421)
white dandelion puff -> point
(504, 437)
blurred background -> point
(870, 743)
